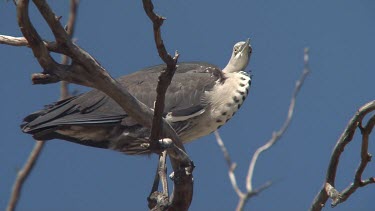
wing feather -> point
(183, 98)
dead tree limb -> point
(21, 41)
(182, 192)
(328, 190)
(250, 191)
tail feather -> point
(32, 122)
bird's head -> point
(240, 57)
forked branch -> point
(328, 190)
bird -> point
(200, 99)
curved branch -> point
(345, 138)
(23, 175)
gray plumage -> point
(192, 106)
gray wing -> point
(184, 98)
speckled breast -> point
(224, 101)
(230, 96)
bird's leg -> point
(156, 198)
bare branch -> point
(160, 200)
(345, 138)
(250, 192)
(231, 166)
(23, 175)
(183, 191)
(64, 91)
(242, 200)
(13, 41)
(165, 77)
(220, 142)
(277, 135)
(22, 42)
(365, 159)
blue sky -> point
(340, 35)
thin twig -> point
(345, 138)
(220, 142)
(23, 175)
(22, 42)
(160, 200)
(70, 26)
(13, 41)
(231, 166)
(277, 135)
(250, 192)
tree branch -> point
(231, 165)
(21, 41)
(250, 192)
(277, 135)
(183, 184)
(23, 175)
(160, 200)
(345, 138)
(70, 26)
(166, 75)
